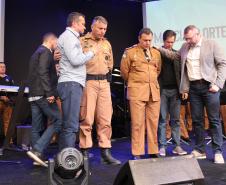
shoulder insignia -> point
(154, 48)
(135, 45)
(127, 49)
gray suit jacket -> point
(213, 63)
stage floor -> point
(24, 173)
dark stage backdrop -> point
(27, 20)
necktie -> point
(146, 55)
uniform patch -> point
(107, 57)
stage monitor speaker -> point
(181, 170)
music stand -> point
(20, 112)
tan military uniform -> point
(5, 112)
(96, 102)
(144, 96)
(185, 121)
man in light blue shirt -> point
(72, 76)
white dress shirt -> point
(193, 62)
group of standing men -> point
(86, 62)
(197, 71)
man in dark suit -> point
(203, 73)
(42, 95)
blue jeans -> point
(39, 109)
(70, 94)
(170, 103)
(200, 97)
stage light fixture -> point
(68, 167)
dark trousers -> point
(200, 97)
(70, 94)
(39, 109)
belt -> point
(96, 77)
(196, 82)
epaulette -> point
(127, 49)
(135, 45)
(154, 48)
(85, 36)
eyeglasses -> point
(190, 38)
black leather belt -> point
(196, 82)
(96, 77)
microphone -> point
(146, 55)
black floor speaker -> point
(181, 170)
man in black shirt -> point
(5, 101)
(170, 99)
(42, 82)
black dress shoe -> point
(187, 139)
(106, 157)
(153, 156)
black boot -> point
(85, 153)
(106, 157)
(153, 156)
